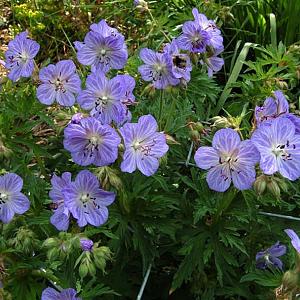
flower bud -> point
(273, 188)
(171, 140)
(290, 280)
(141, 5)
(220, 122)
(199, 126)
(195, 135)
(83, 270)
(4, 151)
(260, 184)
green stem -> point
(160, 110)
(172, 108)
(155, 22)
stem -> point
(172, 108)
(189, 155)
(279, 216)
(140, 294)
(155, 22)
(160, 110)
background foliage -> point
(199, 244)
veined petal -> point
(129, 161)
(6, 213)
(11, 182)
(218, 178)
(65, 98)
(19, 203)
(148, 56)
(50, 294)
(46, 93)
(148, 165)
(268, 164)
(243, 177)
(206, 157)
(226, 140)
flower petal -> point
(218, 178)
(206, 157)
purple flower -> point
(181, 63)
(157, 68)
(199, 34)
(103, 98)
(60, 82)
(215, 37)
(90, 142)
(141, 4)
(103, 48)
(269, 257)
(87, 201)
(213, 62)
(52, 294)
(12, 201)
(20, 56)
(60, 218)
(77, 118)
(143, 146)
(128, 85)
(295, 240)
(229, 159)
(275, 107)
(279, 148)
(86, 244)
(104, 29)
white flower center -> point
(85, 198)
(136, 145)
(95, 139)
(24, 56)
(3, 197)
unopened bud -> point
(199, 126)
(171, 140)
(290, 280)
(141, 5)
(274, 188)
(195, 135)
(220, 122)
(260, 184)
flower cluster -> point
(82, 198)
(275, 144)
(173, 66)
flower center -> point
(158, 71)
(102, 102)
(143, 146)
(136, 145)
(85, 198)
(24, 56)
(281, 151)
(3, 197)
(102, 52)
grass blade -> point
(273, 30)
(233, 76)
